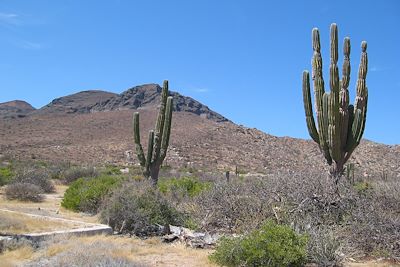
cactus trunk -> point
(158, 139)
(340, 125)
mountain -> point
(15, 109)
(80, 102)
(145, 96)
(148, 96)
(101, 132)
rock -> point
(125, 170)
(169, 238)
(190, 238)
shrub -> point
(5, 175)
(36, 177)
(363, 187)
(86, 194)
(234, 206)
(323, 247)
(56, 170)
(112, 170)
(14, 244)
(75, 173)
(24, 192)
(271, 245)
(190, 186)
(137, 207)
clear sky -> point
(244, 59)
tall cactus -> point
(158, 139)
(340, 125)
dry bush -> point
(363, 219)
(24, 192)
(137, 207)
(75, 173)
(57, 169)
(8, 222)
(236, 206)
(38, 177)
(324, 247)
(374, 225)
(14, 244)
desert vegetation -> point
(158, 141)
(278, 217)
(340, 125)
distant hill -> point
(81, 102)
(145, 96)
(15, 109)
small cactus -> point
(340, 125)
(158, 139)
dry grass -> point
(371, 264)
(150, 252)
(16, 223)
(49, 207)
(16, 257)
(130, 251)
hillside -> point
(15, 109)
(80, 102)
(82, 132)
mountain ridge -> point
(138, 97)
(148, 95)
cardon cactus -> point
(340, 125)
(158, 139)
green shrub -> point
(5, 175)
(112, 170)
(86, 194)
(185, 185)
(136, 207)
(271, 245)
(363, 187)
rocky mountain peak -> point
(148, 96)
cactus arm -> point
(167, 129)
(149, 152)
(344, 93)
(350, 140)
(360, 106)
(325, 125)
(138, 145)
(362, 91)
(160, 122)
(334, 114)
(364, 116)
(312, 130)
(319, 90)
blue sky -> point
(244, 59)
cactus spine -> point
(340, 125)
(158, 139)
